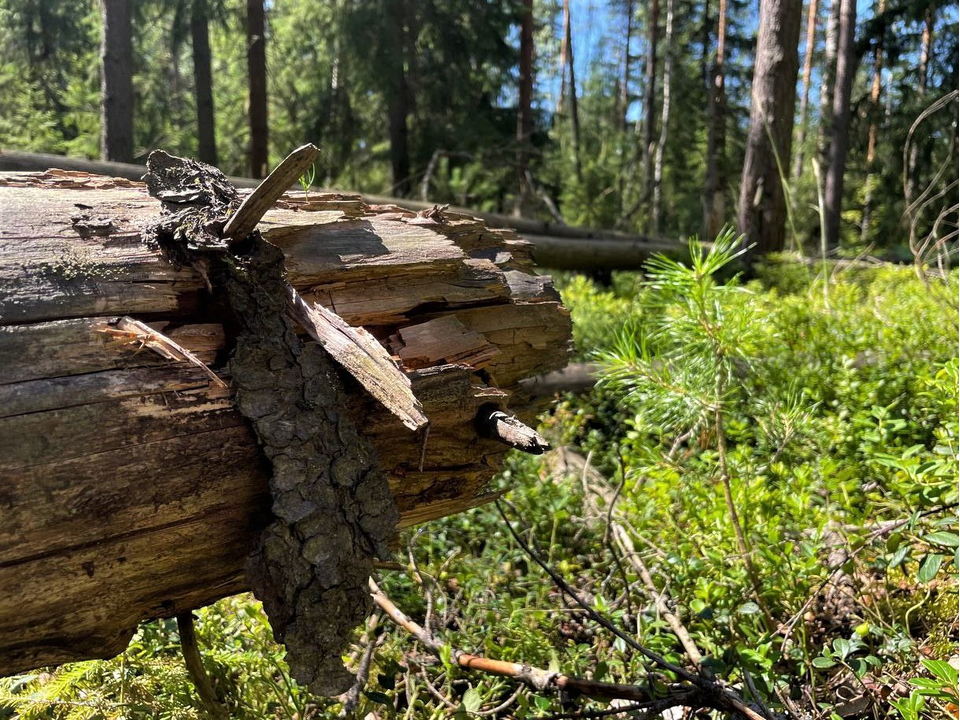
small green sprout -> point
(306, 180)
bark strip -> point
(333, 511)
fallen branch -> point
(534, 678)
(711, 693)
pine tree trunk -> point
(257, 85)
(574, 107)
(714, 194)
(524, 106)
(926, 43)
(398, 97)
(650, 97)
(116, 82)
(624, 108)
(805, 92)
(664, 123)
(203, 82)
(874, 110)
(762, 209)
(840, 127)
(828, 81)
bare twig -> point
(535, 678)
(351, 698)
(126, 328)
(711, 694)
(198, 676)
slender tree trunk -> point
(763, 207)
(257, 84)
(574, 109)
(398, 96)
(116, 82)
(524, 106)
(625, 81)
(828, 81)
(874, 111)
(840, 130)
(714, 195)
(805, 92)
(561, 99)
(650, 96)
(926, 43)
(705, 46)
(203, 82)
(624, 108)
(664, 123)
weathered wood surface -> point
(130, 487)
(558, 246)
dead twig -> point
(198, 676)
(351, 698)
(126, 328)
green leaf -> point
(748, 608)
(377, 697)
(842, 647)
(929, 568)
(946, 539)
(472, 700)
(943, 671)
(898, 556)
(823, 662)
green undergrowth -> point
(827, 408)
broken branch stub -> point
(333, 511)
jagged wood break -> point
(333, 511)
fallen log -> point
(561, 247)
(130, 485)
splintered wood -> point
(131, 487)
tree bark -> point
(398, 96)
(664, 124)
(805, 92)
(650, 100)
(203, 82)
(524, 105)
(572, 92)
(926, 43)
(840, 127)
(762, 208)
(116, 82)
(874, 111)
(257, 86)
(828, 81)
(132, 486)
(714, 193)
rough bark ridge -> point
(332, 505)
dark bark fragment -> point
(333, 511)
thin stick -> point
(198, 676)
(244, 221)
(535, 678)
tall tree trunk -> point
(624, 108)
(203, 82)
(257, 83)
(656, 216)
(840, 127)
(828, 81)
(650, 97)
(116, 82)
(398, 96)
(524, 106)
(926, 43)
(562, 97)
(714, 192)
(762, 208)
(805, 92)
(874, 111)
(574, 108)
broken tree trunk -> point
(130, 485)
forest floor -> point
(762, 488)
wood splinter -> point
(495, 424)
